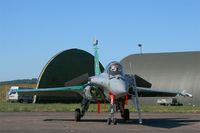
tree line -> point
(20, 81)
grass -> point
(170, 109)
(23, 107)
(58, 107)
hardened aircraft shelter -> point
(172, 71)
(64, 67)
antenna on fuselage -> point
(96, 58)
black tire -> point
(109, 121)
(114, 121)
(77, 114)
(21, 100)
(126, 114)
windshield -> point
(13, 91)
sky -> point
(33, 31)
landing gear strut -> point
(84, 107)
(112, 119)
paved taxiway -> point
(93, 122)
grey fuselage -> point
(111, 81)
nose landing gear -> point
(112, 119)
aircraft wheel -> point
(114, 121)
(77, 115)
(109, 121)
(126, 114)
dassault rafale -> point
(112, 85)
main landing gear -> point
(78, 114)
(84, 107)
(126, 115)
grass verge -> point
(58, 107)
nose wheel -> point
(112, 120)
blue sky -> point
(32, 31)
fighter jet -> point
(112, 85)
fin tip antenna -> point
(95, 43)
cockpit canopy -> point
(114, 68)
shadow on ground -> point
(157, 122)
(162, 122)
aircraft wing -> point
(52, 91)
(150, 92)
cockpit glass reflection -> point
(114, 68)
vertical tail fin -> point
(96, 58)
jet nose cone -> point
(118, 87)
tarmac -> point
(48, 122)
